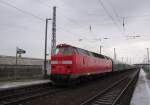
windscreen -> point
(63, 51)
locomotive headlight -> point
(54, 62)
(67, 62)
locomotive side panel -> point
(92, 63)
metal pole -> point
(16, 56)
(100, 49)
(45, 53)
(127, 60)
(16, 64)
(148, 57)
(115, 54)
(53, 42)
(123, 24)
(130, 61)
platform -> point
(5, 85)
(141, 94)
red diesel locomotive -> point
(71, 63)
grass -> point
(147, 70)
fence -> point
(17, 72)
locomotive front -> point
(62, 63)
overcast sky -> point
(22, 24)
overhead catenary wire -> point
(109, 15)
(63, 5)
(75, 22)
(59, 27)
(71, 20)
(120, 20)
(115, 12)
(43, 20)
(21, 10)
(37, 17)
(119, 24)
(32, 15)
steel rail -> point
(127, 86)
(18, 91)
(22, 93)
(105, 98)
(104, 91)
(22, 99)
(26, 93)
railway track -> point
(22, 94)
(115, 94)
(112, 95)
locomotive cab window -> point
(63, 51)
(66, 51)
(56, 51)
